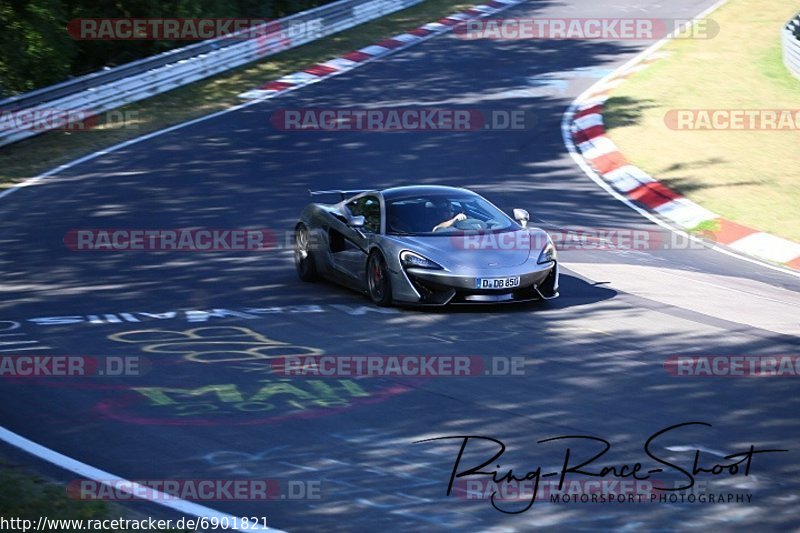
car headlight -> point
(411, 259)
(548, 254)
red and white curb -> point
(355, 59)
(588, 134)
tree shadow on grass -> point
(621, 111)
(686, 184)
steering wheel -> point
(470, 224)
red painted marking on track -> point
(729, 231)
(653, 194)
(357, 56)
(597, 108)
(320, 70)
(116, 409)
(608, 162)
(581, 136)
(390, 43)
(277, 86)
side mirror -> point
(522, 216)
(357, 221)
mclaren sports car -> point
(425, 245)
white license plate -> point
(497, 283)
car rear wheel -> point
(379, 285)
(303, 260)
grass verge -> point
(26, 496)
(35, 155)
(747, 176)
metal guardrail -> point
(791, 46)
(107, 89)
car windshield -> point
(444, 215)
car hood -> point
(475, 251)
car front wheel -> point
(379, 284)
(303, 260)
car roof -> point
(414, 190)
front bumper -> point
(439, 287)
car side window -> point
(353, 208)
(370, 208)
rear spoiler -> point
(342, 193)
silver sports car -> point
(425, 245)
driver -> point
(444, 210)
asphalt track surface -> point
(594, 359)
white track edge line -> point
(105, 478)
